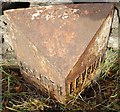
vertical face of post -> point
(90, 59)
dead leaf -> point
(18, 88)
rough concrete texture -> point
(42, 1)
(7, 55)
(113, 40)
(60, 0)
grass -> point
(102, 95)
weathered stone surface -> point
(7, 55)
(114, 36)
(60, 1)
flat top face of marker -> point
(60, 32)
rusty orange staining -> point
(58, 42)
